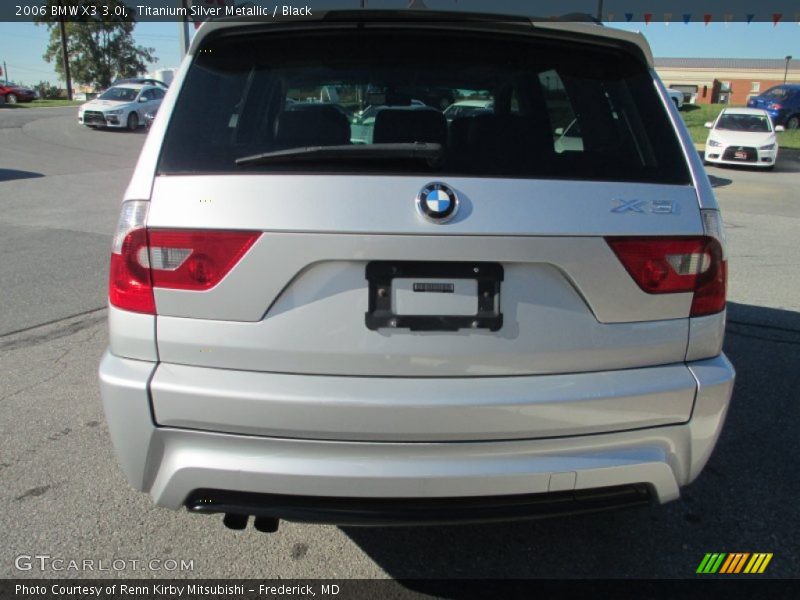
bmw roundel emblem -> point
(437, 202)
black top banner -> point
(778, 12)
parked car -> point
(742, 136)
(782, 102)
(121, 107)
(677, 98)
(452, 322)
(462, 108)
(13, 93)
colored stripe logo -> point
(734, 563)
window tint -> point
(508, 106)
(778, 93)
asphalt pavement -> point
(64, 496)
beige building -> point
(725, 80)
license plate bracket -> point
(381, 314)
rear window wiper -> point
(432, 153)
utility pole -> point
(5, 72)
(785, 71)
(64, 54)
(600, 10)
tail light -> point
(143, 259)
(775, 106)
(674, 265)
(129, 285)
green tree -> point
(100, 45)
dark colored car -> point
(782, 102)
(13, 93)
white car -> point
(121, 106)
(742, 136)
(677, 98)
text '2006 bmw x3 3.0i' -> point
(330, 303)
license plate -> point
(434, 296)
(740, 155)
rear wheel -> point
(793, 122)
(133, 122)
(11, 98)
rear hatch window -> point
(443, 102)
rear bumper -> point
(172, 463)
(416, 511)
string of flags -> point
(707, 18)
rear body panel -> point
(568, 303)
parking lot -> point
(64, 496)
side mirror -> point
(709, 124)
(780, 128)
(144, 99)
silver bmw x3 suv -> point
(327, 303)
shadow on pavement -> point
(745, 499)
(719, 181)
(12, 174)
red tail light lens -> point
(143, 259)
(195, 260)
(677, 265)
(130, 286)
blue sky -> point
(22, 44)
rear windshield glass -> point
(497, 105)
(779, 93)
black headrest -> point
(397, 126)
(312, 125)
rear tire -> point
(11, 98)
(133, 122)
(793, 122)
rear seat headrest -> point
(312, 125)
(397, 126)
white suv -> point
(452, 322)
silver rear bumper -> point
(170, 463)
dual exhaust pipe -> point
(239, 522)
